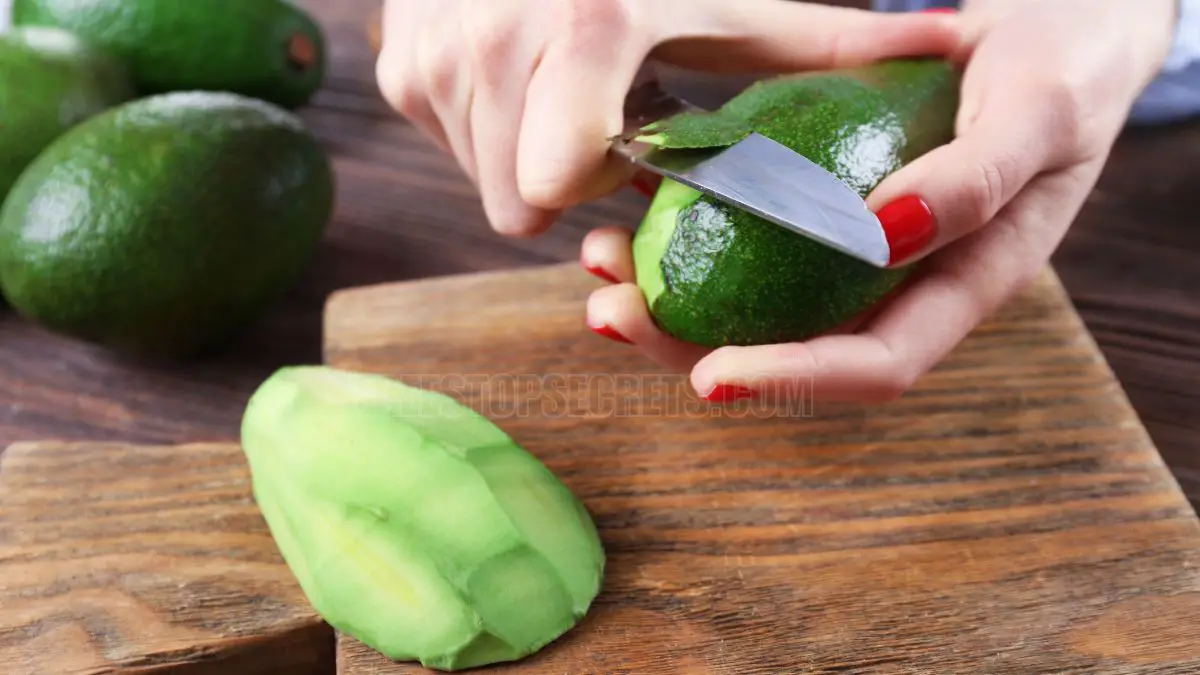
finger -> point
(619, 312)
(575, 102)
(446, 79)
(1002, 143)
(396, 76)
(501, 50)
(412, 103)
(960, 286)
(781, 35)
(607, 253)
(645, 183)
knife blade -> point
(756, 174)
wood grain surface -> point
(117, 558)
(1009, 516)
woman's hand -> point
(526, 93)
(1047, 88)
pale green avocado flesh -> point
(413, 523)
(715, 275)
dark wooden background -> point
(1131, 263)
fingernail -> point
(724, 393)
(940, 10)
(642, 185)
(608, 332)
(909, 226)
(601, 273)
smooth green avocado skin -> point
(162, 225)
(725, 277)
(241, 46)
(50, 80)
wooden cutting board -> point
(1009, 515)
(137, 559)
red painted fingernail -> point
(940, 10)
(645, 187)
(608, 332)
(909, 226)
(601, 273)
(724, 393)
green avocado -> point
(268, 49)
(715, 275)
(160, 226)
(415, 524)
(50, 80)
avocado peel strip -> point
(696, 130)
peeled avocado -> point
(50, 80)
(715, 275)
(413, 523)
(267, 49)
(159, 227)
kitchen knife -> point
(757, 175)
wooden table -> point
(1131, 263)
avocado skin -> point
(50, 80)
(732, 278)
(239, 46)
(163, 225)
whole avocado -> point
(161, 226)
(50, 80)
(268, 49)
(715, 275)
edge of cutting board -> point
(1014, 484)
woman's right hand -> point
(525, 94)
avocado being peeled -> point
(267, 49)
(715, 275)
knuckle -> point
(545, 190)
(436, 63)
(836, 47)
(995, 181)
(798, 357)
(1063, 103)
(893, 385)
(598, 23)
(489, 37)
(398, 90)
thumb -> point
(785, 35)
(959, 187)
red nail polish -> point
(724, 393)
(608, 332)
(643, 186)
(909, 226)
(940, 10)
(602, 274)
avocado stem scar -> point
(301, 52)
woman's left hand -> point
(1047, 88)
